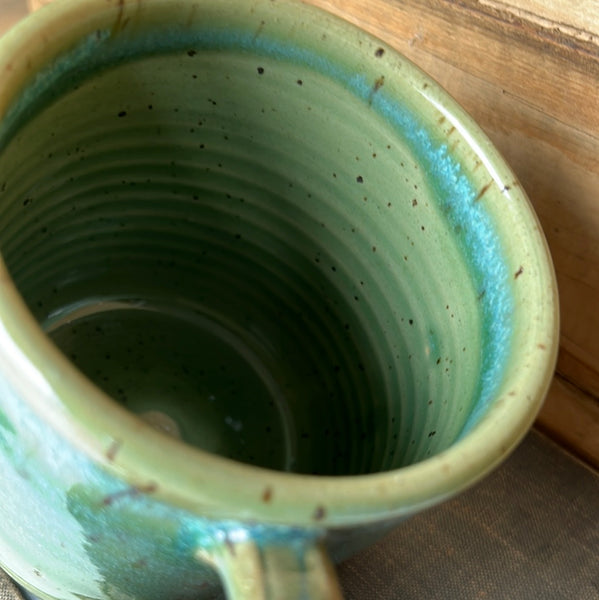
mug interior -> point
(255, 250)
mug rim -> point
(217, 487)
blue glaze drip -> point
(482, 248)
(455, 192)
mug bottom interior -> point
(183, 372)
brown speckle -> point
(230, 546)
(414, 202)
(300, 82)
(483, 191)
(360, 179)
(129, 492)
(379, 52)
(320, 512)
(113, 450)
(140, 563)
(259, 30)
(518, 272)
(148, 488)
(119, 22)
(267, 495)
(378, 84)
(541, 346)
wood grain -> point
(11, 11)
(572, 419)
(579, 18)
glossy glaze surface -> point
(272, 239)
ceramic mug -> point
(266, 291)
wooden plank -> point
(577, 19)
(11, 11)
(571, 417)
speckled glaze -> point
(266, 291)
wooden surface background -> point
(528, 72)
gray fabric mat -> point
(7, 590)
(529, 531)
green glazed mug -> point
(265, 291)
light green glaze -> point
(269, 233)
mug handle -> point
(296, 570)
